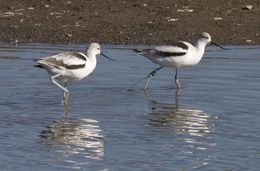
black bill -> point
(219, 46)
(107, 57)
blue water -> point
(212, 125)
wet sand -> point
(129, 22)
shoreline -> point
(129, 23)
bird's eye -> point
(98, 48)
(205, 37)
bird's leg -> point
(176, 80)
(151, 74)
(65, 95)
(57, 84)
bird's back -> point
(69, 65)
(173, 56)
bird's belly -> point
(173, 62)
(80, 74)
(72, 75)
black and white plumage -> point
(178, 55)
(70, 66)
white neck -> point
(91, 54)
(200, 45)
(91, 57)
(200, 48)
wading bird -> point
(178, 55)
(70, 66)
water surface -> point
(212, 125)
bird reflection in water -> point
(192, 124)
(80, 138)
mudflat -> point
(129, 22)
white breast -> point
(78, 74)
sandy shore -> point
(129, 22)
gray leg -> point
(151, 74)
(176, 80)
(65, 95)
(147, 82)
(66, 101)
(57, 84)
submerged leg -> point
(65, 95)
(176, 80)
(151, 74)
(65, 86)
(57, 84)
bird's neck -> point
(200, 45)
(91, 58)
(200, 48)
(91, 55)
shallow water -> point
(212, 125)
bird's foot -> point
(65, 100)
(178, 85)
(177, 93)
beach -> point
(129, 22)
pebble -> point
(218, 18)
(8, 14)
(247, 7)
(185, 10)
(172, 19)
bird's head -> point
(96, 50)
(205, 38)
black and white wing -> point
(174, 50)
(67, 60)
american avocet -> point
(178, 55)
(70, 66)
